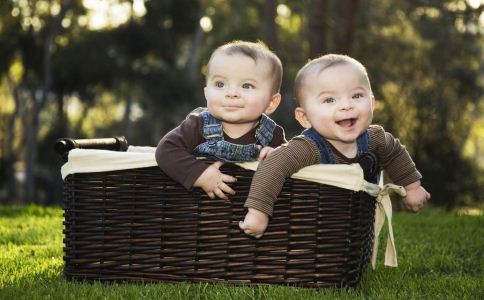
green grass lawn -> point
(441, 256)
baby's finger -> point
(412, 207)
(244, 228)
(219, 193)
(249, 232)
(217, 164)
(242, 225)
(255, 234)
(262, 154)
(228, 178)
(225, 188)
(211, 195)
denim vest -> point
(366, 159)
(216, 146)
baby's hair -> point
(256, 51)
(320, 64)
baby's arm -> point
(269, 178)
(416, 196)
(213, 182)
(397, 162)
(174, 156)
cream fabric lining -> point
(344, 176)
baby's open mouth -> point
(347, 123)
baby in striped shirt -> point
(335, 106)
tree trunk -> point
(345, 36)
(317, 28)
(38, 104)
(270, 28)
(191, 68)
(9, 151)
(31, 151)
(62, 123)
(126, 117)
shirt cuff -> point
(193, 175)
(259, 205)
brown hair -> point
(256, 51)
(320, 64)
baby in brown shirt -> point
(242, 88)
(336, 108)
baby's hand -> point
(416, 197)
(213, 182)
(255, 223)
(264, 153)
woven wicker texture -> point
(139, 225)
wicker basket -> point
(139, 225)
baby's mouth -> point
(232, 107)
(347, 123)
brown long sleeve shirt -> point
(301, 152)
(174, 153)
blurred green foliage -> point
(63, 74)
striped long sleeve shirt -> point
(301, 152)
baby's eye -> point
(247, 86)
(358, 96)
(329, 100)
(219, 84)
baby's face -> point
(338, 103)
(238, 89)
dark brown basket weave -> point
(139, 225)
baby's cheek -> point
(259, 109)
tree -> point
(344, 37)
(423, 59)
(426, 87)
(317, 27)
(37, 27)
(47, 46)
(270, 28)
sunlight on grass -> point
(469, 212)
(440, 256)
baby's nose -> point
(232, 92)
(346, 104)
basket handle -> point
(63, 145)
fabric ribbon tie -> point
(384, 208)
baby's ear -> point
(302, 117)
(273, 103)
(205, 92)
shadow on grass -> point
(29, 210)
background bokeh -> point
(103, 68)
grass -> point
(441, 256)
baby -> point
(336, 107)
(242, 88)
